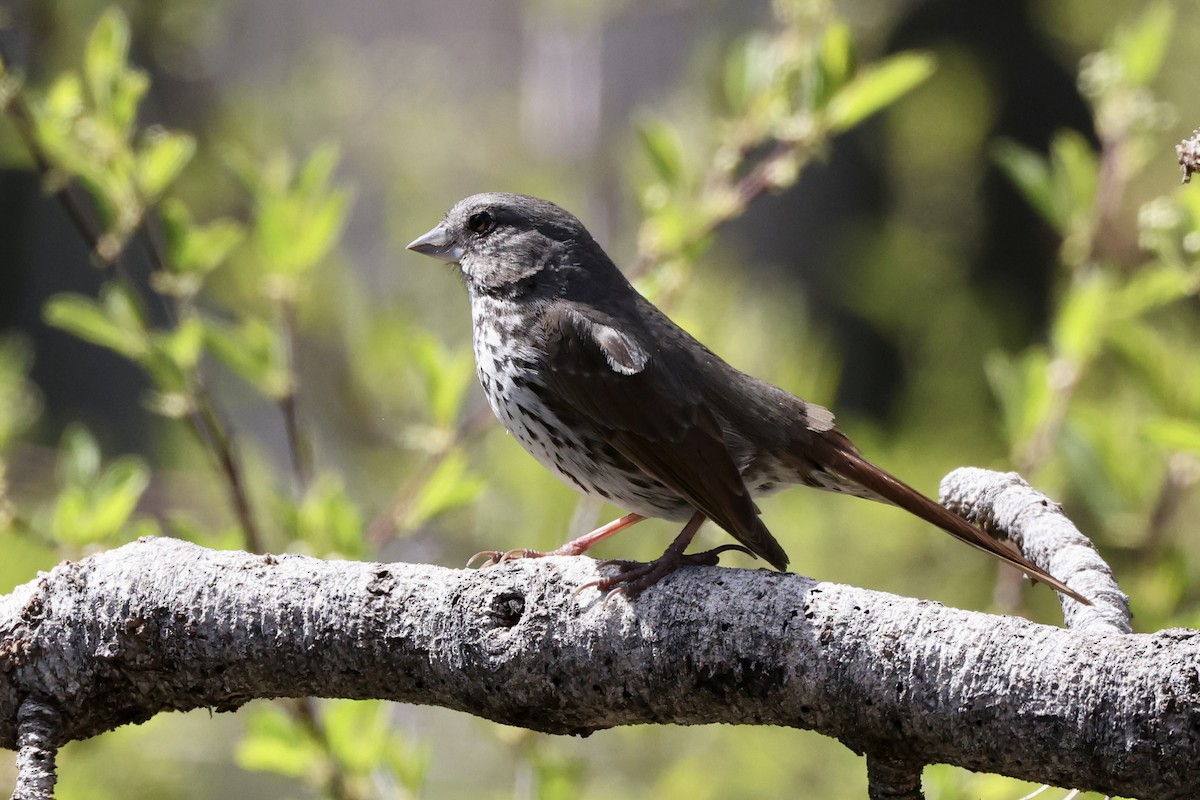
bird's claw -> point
(634, 577)
(494, 557)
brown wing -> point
(635, 402)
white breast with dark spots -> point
(509, 363)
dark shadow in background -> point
(1015, 260)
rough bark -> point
(162, 624)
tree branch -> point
(38, 726)
(1004, 504)
(162, 624)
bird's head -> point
(512, 243)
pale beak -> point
(439, 244)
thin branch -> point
(1065, 375)
(299, 446)
(1181, 474)
(759, 179)
(386, 523)
(209, 427)
(38, 728)
(335, 785)
(891, 778)
(1004, 504)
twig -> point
(385, 524)
(209, 427)
(67, 192)
(1030, 454)
(299, 446)
(1005, 505)
(891, 778)
(750, 186)
(304, 710)
(38, 727)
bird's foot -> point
(634, 577)
(575, 547)
(493, 557)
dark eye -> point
(481, 222)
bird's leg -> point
(574, 547)
(635, 577)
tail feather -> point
(848, 464)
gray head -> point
(504, 243)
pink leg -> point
(574, 547)
(635, 577)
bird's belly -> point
(577, 456)
(570, 448)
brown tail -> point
(845, 462)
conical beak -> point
(439, 244)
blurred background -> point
(914, 271)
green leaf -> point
(115, 496)
(299, 220)
(1022, 386)
(450, 486)
(104, 56)
(63, 102)
(115, 88)
(358, 733)
(254, 351)
(836, 61)
(78, 456)
(93, 505)
(56, 115)
(1030, 173)
(448, 375)
(183, 344)
(196, 248)
(160, 160)
(69, 516)
(1061, 188)
(751, 69)
(113, 323)
(1154, 286)
(1075, 167)
(277, 743)
(127, 93)
(1079, 328)
(328, 521)
(321, 230)
(19, 404)
(409, 762)
(664, 150)
(1141, 46)
(1163, 368)
(317, 172)
(1111, 465)
(735, 77)
(1174, 434)
(877, 87)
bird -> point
(622, 404)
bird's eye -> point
(481, 222)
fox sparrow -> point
(622, 404)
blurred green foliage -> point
(253, 310)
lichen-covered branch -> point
(38, 727)
(166, 625)
(1005, 504)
